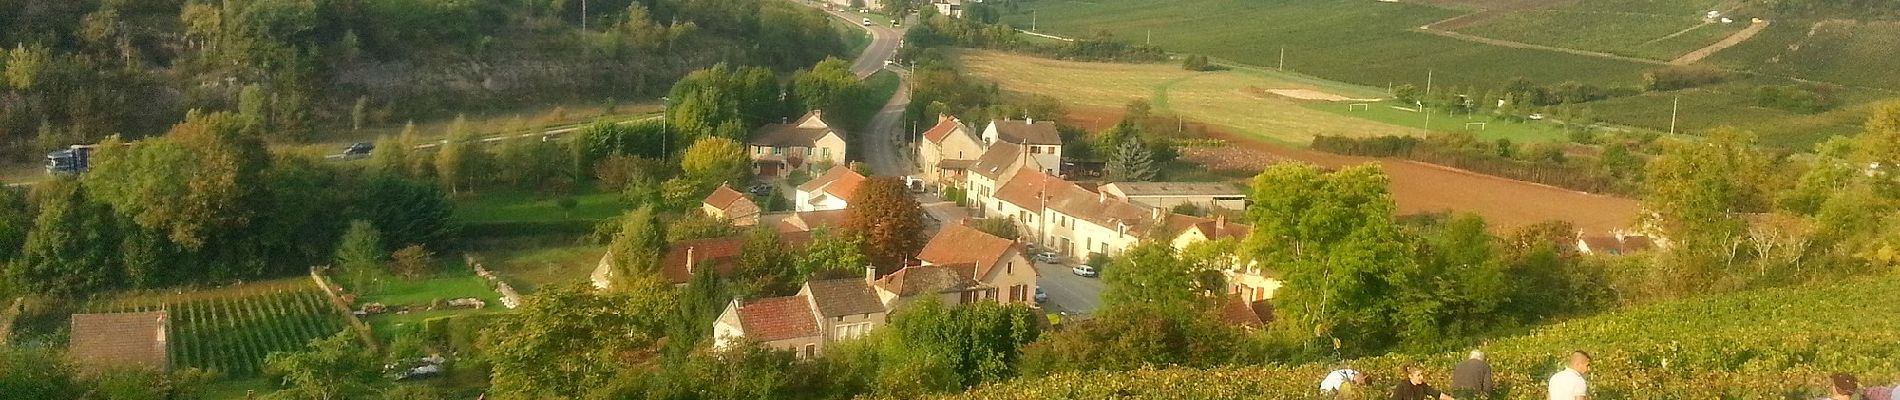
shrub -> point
(1674, 78)
(412, 262)
(1805, 99)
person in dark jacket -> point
(1415, 388)
(1471, 379)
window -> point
(811, 351)
(778, 151)
(1035, 149)
(824, 151)
(851, 331)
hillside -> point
(1773, 343)
(1476, 46)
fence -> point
(509, 297)
(335, 294)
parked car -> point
(1041, 297)
(1083, 270)
(1536, 117)
(761, 190)
(895, 23)
(1048, 257)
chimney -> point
(1028, 120)
(1155, 213)
(689, 261)
(1220, 221)
(870, 274)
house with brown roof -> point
(687, 257)
(1167, 195)
(811, 221)
(728, 204)
(831, 191)
(948, 151)
(998, 164)
(823, 313)
(963, 265)
(1245, 278)
(1244, 313)
(1039, 140)
(120, 340)
(778, 149)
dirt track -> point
(1420, 187)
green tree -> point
(933, 348)
(1151, 274)
(569, 340)
(830, 255)
(360, 255)
(16, 219)
(392, 154)
(336, 367)
(1696, 193)
(459, 161)
(1130, 337)
(765, 268)
(890, 221)
(407, 212)
(202, 178)
(73, 246)
(826, 86)
(639, 245)
(37, 374)
(1131, 162)
(714, 160)
(1332, 235)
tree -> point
(201, 179)
(412, 262)
(1131, 337)
(360, 255)
(16, 219)
(890, 221)
(826, 86)
(1406, 94)
(831, 255)
(639, 245)
(1332, 236)
(392, 154)
(336, 367)
(569, 340)
(459, 163)
(930, 347)
(407, 212)
(1696, 194)
(1151, 274)
(1131, 162)
(72, 247)
(714, 160)
(765, 268)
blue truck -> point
(73, 160)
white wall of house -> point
(825, 201)
(1014, 278)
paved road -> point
(884, 41)
(1068, 292)
(885, 148)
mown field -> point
(1232, 99)
(1600, 26)
(1765, 344)
(1364, 42)
(230, 330)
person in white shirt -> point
(1334, 380)
(1569, 383)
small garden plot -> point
(230, 330)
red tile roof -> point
(720, 254)
(1240, 312)
(945, 126)
(1034, 189)
(921, 279)
(724, 197)
(778, 318)
(961, 244)
(103, 341)
(839, 181)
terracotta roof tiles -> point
(778, 318)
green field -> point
(1520, 132)
(534, 266)
(1364, 42)
(1844, 52)
(230, 330)
(1733, 105)
(1628, 34)
(1764, 344)
(512, 205)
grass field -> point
(1621, 33)
(1845, 52)
(537, 265)
(1764, 344)
(1733, 105)
(1520, 132)
(511, 205)
(231, 329)
(1364, 42)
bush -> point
(1805, 99)
(1674, 78)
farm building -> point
(1169, 194)
(120, 340)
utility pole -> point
(1282, 66)
(1032, 20)
(1151, 37)
(583, 15)
(1674, 107)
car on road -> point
(867, 22)
(1048, 257)
(1084, 270)
(1041, 297)
(895, 23)
(1537, 117)
(358, 149)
